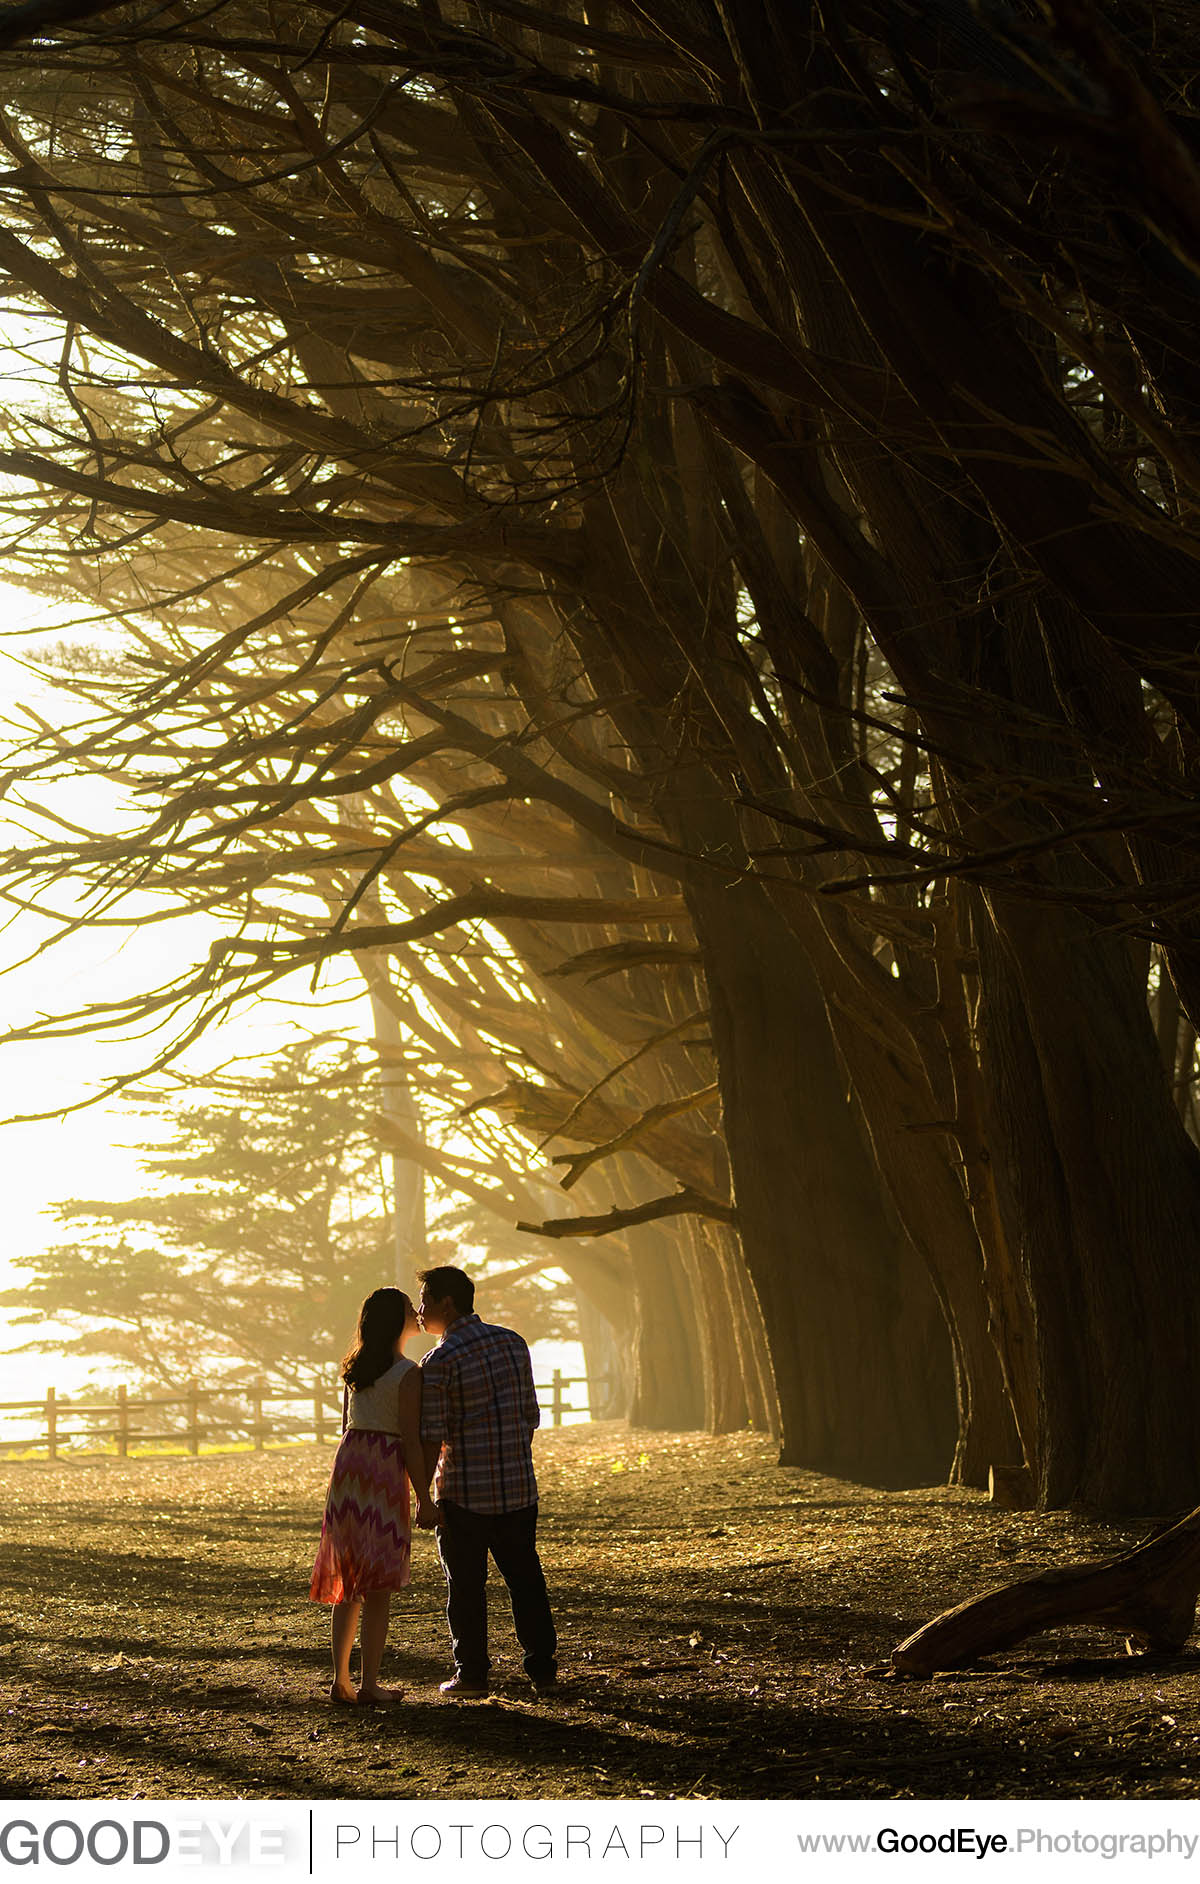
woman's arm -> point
(414, 1454)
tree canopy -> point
(265, 1223)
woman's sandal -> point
(340, 1700)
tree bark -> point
(1102, 1189)
(920, 1127)
(857, 1342)
(668, 1390)
(606, 1359)
(749, 1332)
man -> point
(478, 1415)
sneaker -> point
(458, 1688)
(544, 1684)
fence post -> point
(319, 1417)
(256, 1400)
(193, 1417)
(122, 1422)
(51, 1423)
(556, 1405)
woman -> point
(366, 1534)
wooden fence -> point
(212, 1415)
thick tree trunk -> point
(924, 1140)
(858, 1345)
(668, 1391)
(725, 1403)
(749, 1332)
(930, 1204)
(1102, 1195)
(733, 1349)
(607, 1361)
(1101, 1199)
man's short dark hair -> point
(448, 1281)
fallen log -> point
(1149, 1595)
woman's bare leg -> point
(376, 1607)
(343, 1630)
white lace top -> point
(377, 1407)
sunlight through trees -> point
(666, 536)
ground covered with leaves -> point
(723, 1623)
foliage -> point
(264, 1224)
(262, 1227)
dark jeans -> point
(464, 1539)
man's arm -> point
(415, 1453)
(433, 1411)
(529, 1399)
(432, 1453)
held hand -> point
(427, 1514)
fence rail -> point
(232, 1414)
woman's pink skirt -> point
(366, 1533)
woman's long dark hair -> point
(381, 1318)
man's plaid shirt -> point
(477, 1398)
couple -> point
(465, 1419)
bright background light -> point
(89, 1153)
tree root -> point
(1148, 1595)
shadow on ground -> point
(723, 1624)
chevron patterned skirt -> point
(365, 1536)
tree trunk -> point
(749, 1331)
(668, 1393)
(857, 1343)
(606, 1360)
(706, 1259)
(725, 1406)
(1102, 1190)
(920, 1127)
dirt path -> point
(719, 1618)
